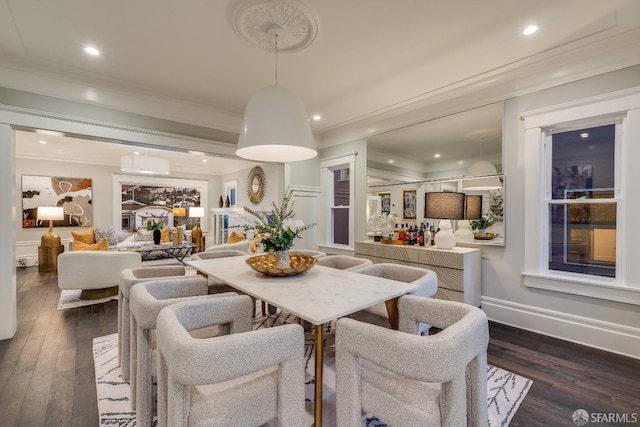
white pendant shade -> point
(276, 128)
(144, 165)
(487, 177)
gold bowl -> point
(266, 264)
(485, 236)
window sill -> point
(594, 288)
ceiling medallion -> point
(252, 20)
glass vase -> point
(282, 259)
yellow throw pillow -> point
(236, 236)
(165, 235)
(87, 236)
(102, 245)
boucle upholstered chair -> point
(146, 299)
(427, 281)
(343, 262)
(243, 379)
(128, 278)
(406, 379)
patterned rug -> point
(70, 298)
(505, 390)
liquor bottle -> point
(411, 236)
(432, 233)
(402, 236)
(421, 235)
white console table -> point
(458, 269)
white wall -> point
(8, 309)
(605, 324)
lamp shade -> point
(444, 205)
(179, 212)
(50, 213)
(144, 165)
(482, 176)
(196, 212)
(473, 207)
(276, 128)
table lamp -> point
(50, 244)
(472, 210)
(177, 213)
(444, 206)
(50, 213)
(196, 232)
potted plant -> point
(156, 226)
(483, 223)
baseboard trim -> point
(607, 336)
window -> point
(580, 209)
(581, 199)
(339, 197)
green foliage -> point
(154, 224)
(276, 230)
(482, 223)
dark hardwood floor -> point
(47, 374)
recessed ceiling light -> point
(390, 161)
(584, 135)
(316, 117)
(204, 160)
(437, 155)
(92, 51)
(530, 29)
(43, 142)
(136, 153)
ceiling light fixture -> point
(276, 126)
(482, 175)
(317, 117)
(530, 29)
(92, 51)
(144, 165)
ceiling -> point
(370, 62)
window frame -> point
(625, 287)
(327, 168)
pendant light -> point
(482, 175)
(276, 126)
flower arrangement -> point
(277, 230)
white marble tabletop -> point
(318, 295)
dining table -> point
(318, 295)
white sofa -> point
(97, 273)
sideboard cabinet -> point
(458, 269)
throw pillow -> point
(144, 236)
(165, 235)
(87, 236)
(110, 234)
(235, 237)
(102, 245)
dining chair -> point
(246, 378)
(343, 262)
(128, 278)
(426, 280)
(146, 301)
(406, 379)
(307, 252)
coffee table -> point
(178, 252)
(318, 296)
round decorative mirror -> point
(255, 185)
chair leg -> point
(125, 362)
(133, 353)
(163, 376)
(144, 379)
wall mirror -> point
(457, 152)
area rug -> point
(70, 298)
(505, 390)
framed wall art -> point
(74, 195)
(385, 202)
(409, 205)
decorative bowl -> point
(266, 264)
(485, 236)
(393, 242)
